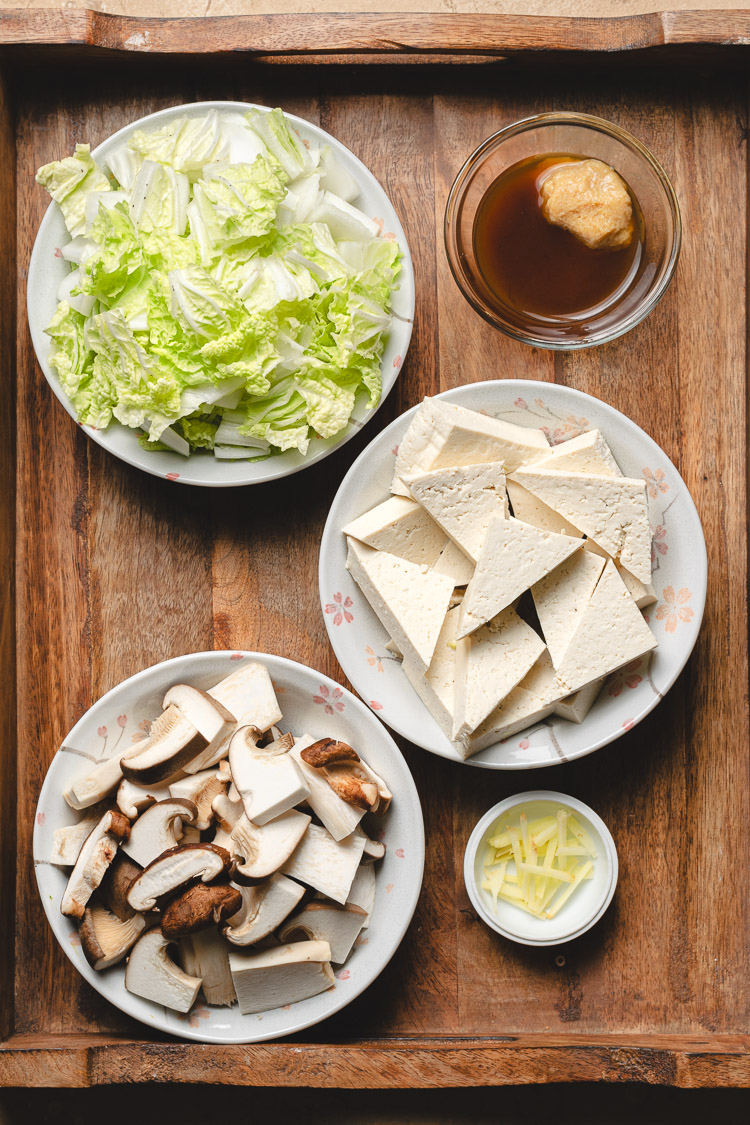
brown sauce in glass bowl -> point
(542, 274)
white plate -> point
(47, 269)
(311, 703)
(680, 568)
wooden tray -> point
(115, 570)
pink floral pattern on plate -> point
(340, 607)
(674, 608)
(330, 701)
(373, 659)
(627, 677)
(194, 1016)
(656, 482)
(658, 543)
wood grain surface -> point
(116, 571)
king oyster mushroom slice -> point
(152, 973)
(134, 799)
(248, 694)
(348, 775)
(264, 907)
(362, 892)
(326, 864)
(205, 955)
(373, 849)
(201, 788)
(339, 817)
(114, 887)
(92, 787)
(263, 850)
(172, 870)
(282, 975)
(328, 921)
(267, 778)
(172, 743)
(199, 907)
(158, 829)
(215, 722)
(105, 938)
(191, 835)
(69, 840)
(95, 856)
(227, 811)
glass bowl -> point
(583, 135)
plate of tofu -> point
(229, 847)
(513, 574)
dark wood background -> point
(117, 570)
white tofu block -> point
(442, 434)
(530, 509)
(489, 664)
(576, 707)
(611, 633)
(587, 453)
(613, 511)
(463, 500)
(411, 601)
(402, 528)
(455, 564)
(515, 555)
(643, 596)
(560, 598)
(326, 864)
(435, 687)
(530, 702)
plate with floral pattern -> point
(679, 566)
(310, 703)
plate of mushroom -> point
(229, 846)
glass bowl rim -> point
(596, 124)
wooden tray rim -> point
(687, 1061)
(391, 35)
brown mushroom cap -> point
(113, 889)
(200, 906)
(326, 751)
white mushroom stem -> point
(69, 840)
(264, 907)
(201, 788)
(267, 778)
(227, 811)
(362, 891)
(172, 743)
(205, 955)
(328, 921)
(95, 856)
(373, 849)
(158, 829)
(284, 975)
(213, 721)
(134, 799)
(92, 787)
(338, 817)
(326, 864)
(261, 851)
(152, 974)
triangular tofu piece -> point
(442, 434)
(462, 501)
(587, 453)
(400, 527)
(454, 562)
(435, 687)
(515, 555)
(489, 664)
(561, 597)
(576, 707)
(410, 600)
(529, 703)
(611, 633)
(613, 511)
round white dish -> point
(47, 269)
(679, 577)
(311, 703)
(582, 910)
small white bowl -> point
(580, 912)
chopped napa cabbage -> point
(204, 306)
